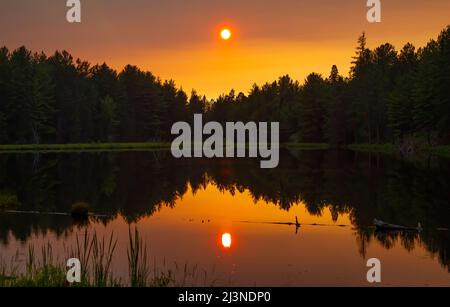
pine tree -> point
(312, 112)
(425, 95)
(107, 107)
(400, 100)
(442, 85)
(39, 108)
(362, 94)
(336, 109)
(4, 79)
(107, 119)
(383, 77)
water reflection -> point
(351, 188)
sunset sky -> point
(180, 39)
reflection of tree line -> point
(137, 184)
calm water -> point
(183, 208)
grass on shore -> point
(83, 147)
(12, 148)
(443, 151)
(105, 147)
(307, 146)
(375, 148)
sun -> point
(226, 240)
(225, 34)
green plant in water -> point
(163, 280)
(137, 260)
(96, 257)
(80, 211)
(102, 254)
(7, 277)
(83, 253)
(41, 274)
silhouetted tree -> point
(312, 109)
(388, 96)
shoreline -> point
(443, 151)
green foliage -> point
(443, 151)
(102, 254)
(375, 148)
(432, 95)
(48, 276)
(3, 127)
(400, 100)
(8, 200)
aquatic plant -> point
(137, 260)
(80, 211)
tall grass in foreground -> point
(137, 260)
(102, 258)
(96, 257)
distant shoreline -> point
(443, 151)
(83, 147)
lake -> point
(226, 222)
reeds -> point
(6, 276)
(39, 273)
(137, 260)
(102, 258)
(83, 253)
(96, 258)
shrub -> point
(8, 201)
(80, 211)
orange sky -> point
(179, 39)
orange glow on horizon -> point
(216, 46)
(231, 57)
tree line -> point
(389, 96)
